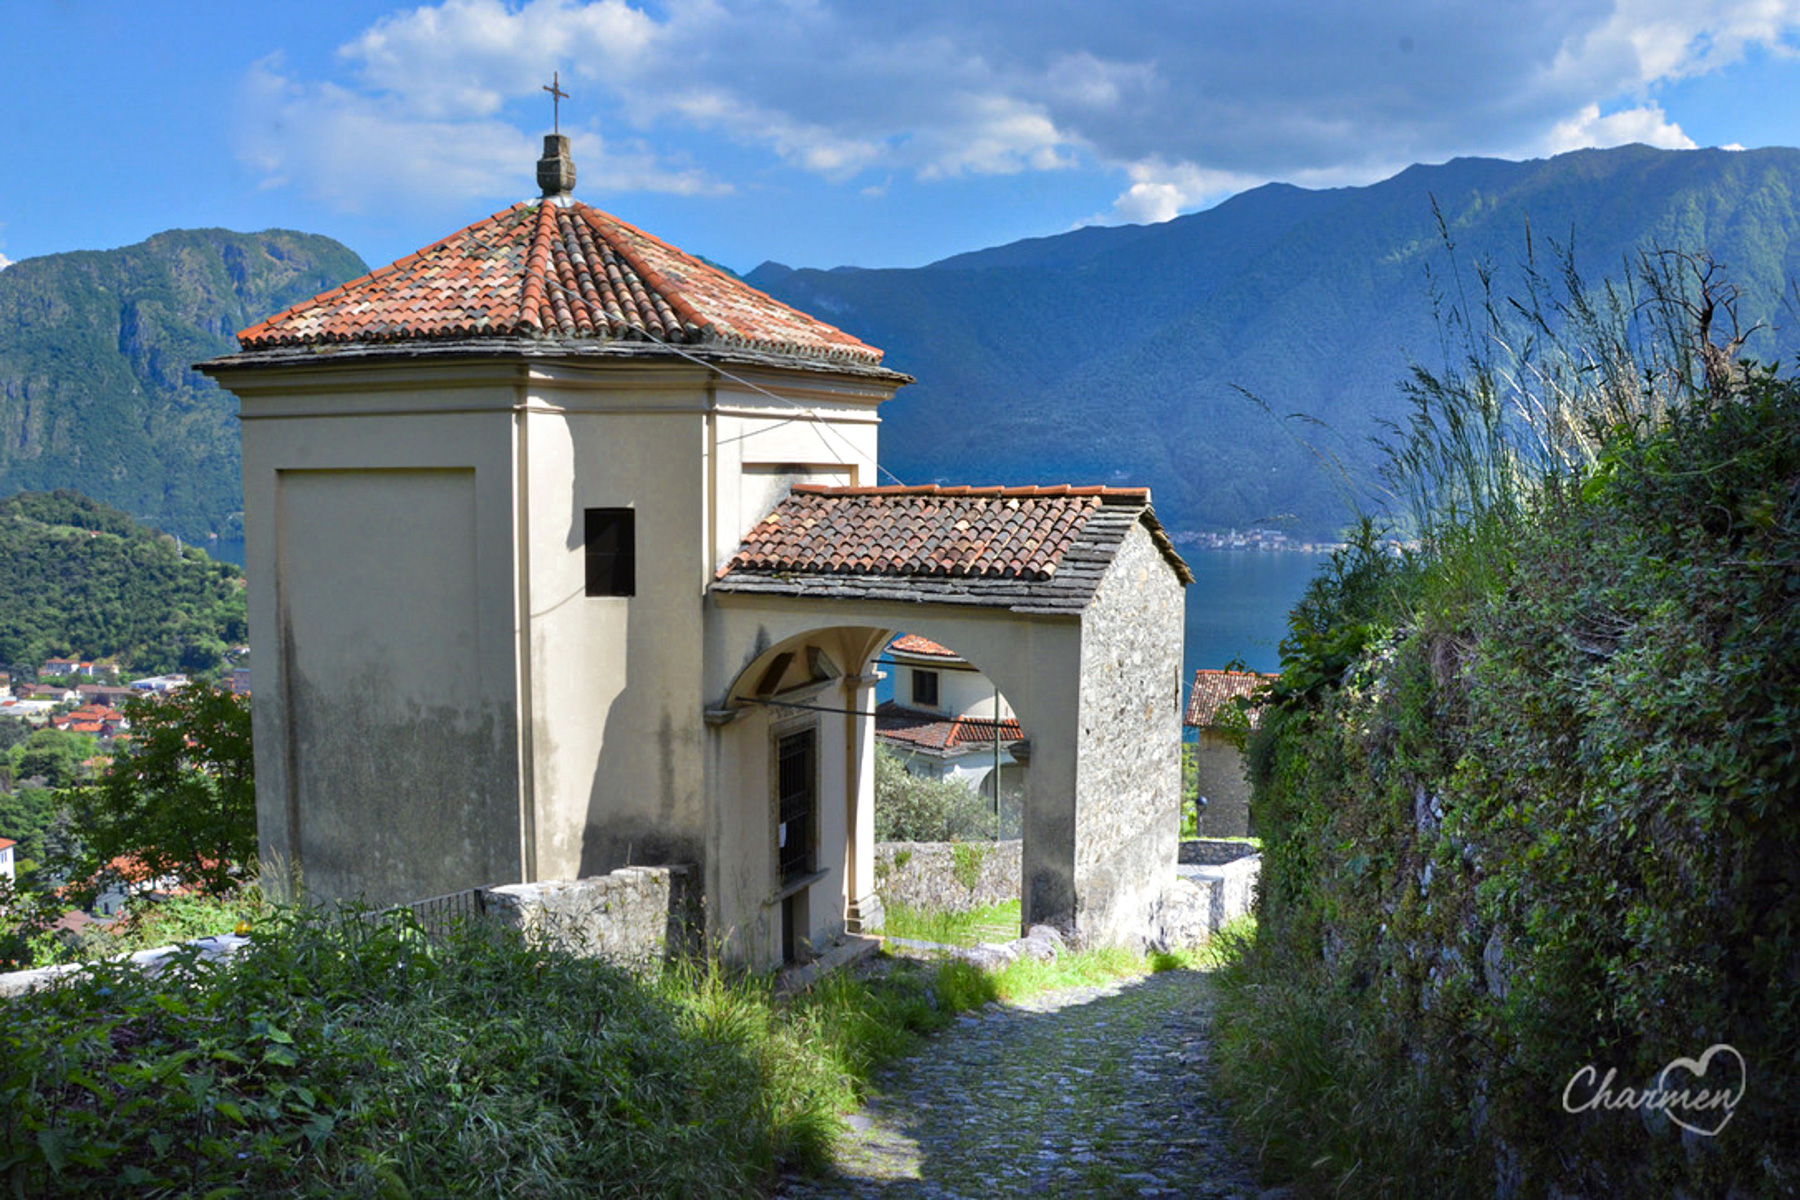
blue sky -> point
(820, 133)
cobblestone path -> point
(1096, 1091)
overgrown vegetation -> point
(80, 578)
(352, 1056)
(1526, 795)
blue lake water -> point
(1238, 604)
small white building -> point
(948, 721)
(563, 556)
(159, 683)
(6, 857)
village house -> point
(97, 719)
(566, 552)
(158, 683)
(104, 694)
(947, 720)
(6, 857)
(1218, 712)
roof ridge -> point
(655, 280)
(536, 278)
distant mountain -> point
(82, 579)
(96, 390)
(1113, 354)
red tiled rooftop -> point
(932, 731)
(1212, 690)
(966, 532)
(547, 270)
(912, 643)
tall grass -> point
(350, 1055)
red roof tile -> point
(5, 842)
(1212, 690)
(912, 643)
(931, 731)
(966, 532)
(549, 270)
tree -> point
(53, 755)
(181, 799)
(911, 809)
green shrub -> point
(911, 809)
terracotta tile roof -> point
(1033, 549)
(932, 731)
(1212, 690)
(912, 643)
(5, 842)
(555, 271)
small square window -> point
(925, 688)
(611, 545)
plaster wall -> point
(962, 691)
(615, 723)
(1129, 790)
(378, 547)
(617, 733)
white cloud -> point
(1645, 124)
(5, 262)
(354, 150)
(1184, 101)
(1160, 191)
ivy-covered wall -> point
(1530, 803)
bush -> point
(911, 809)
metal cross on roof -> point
(557, 96)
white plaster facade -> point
(961, 691)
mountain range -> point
(1174, 355)
(1132, 353)
(97, 390)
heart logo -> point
(1699, 1099)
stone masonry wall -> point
(633, 915)
(1128, 802)
(1220, 769)
(948, 876)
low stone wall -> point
(1212, 852)
(948, 876)
(150, 962)
(1205, 895)
(634, 915)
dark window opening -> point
(611, 544)
(925, 689)
(796, 792)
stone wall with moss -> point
(948, 876)
(1528, 806)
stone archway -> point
(783, 649)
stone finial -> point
(556, 170)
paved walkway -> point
(1097, 1091)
